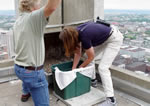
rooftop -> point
(10, 93)
(126, 83)
(132, 48)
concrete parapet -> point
(131, 83)
(6, 63)
(131, 77)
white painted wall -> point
(99, 9)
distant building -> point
(134, 52)
(137, 43)
(147, 52)
(132, 64)
(122, 60)
(148, 68)
(137, 66)
(132, 58)
(5, 45)
(3, 56)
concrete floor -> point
(10, 96)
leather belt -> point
(32, 68)
(111, 32)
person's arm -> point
(50, 7)
(90, 53)
(77, 56)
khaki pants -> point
(105, 55)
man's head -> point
(29, 5)
(69, 36)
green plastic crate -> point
(79, 86)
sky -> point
(7, 4)
(108, 4)
(127, 4)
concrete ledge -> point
(132, 89)
(7, 71)
(131, 83)
(50, 29)
(6, 63)
(8, 78)
(131, 77)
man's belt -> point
(32, 68)
(111, 32)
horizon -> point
(104, 9)
(129, 9)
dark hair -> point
(69, 36)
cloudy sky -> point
(109, 4)
(6, 4)
(127, 4)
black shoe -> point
(94, 83)
(25, 98)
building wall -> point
(77, 10)
(5, 44)
(55, 18)
(134, 54)
(99, 9)
(141, 67)
(72, 11)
